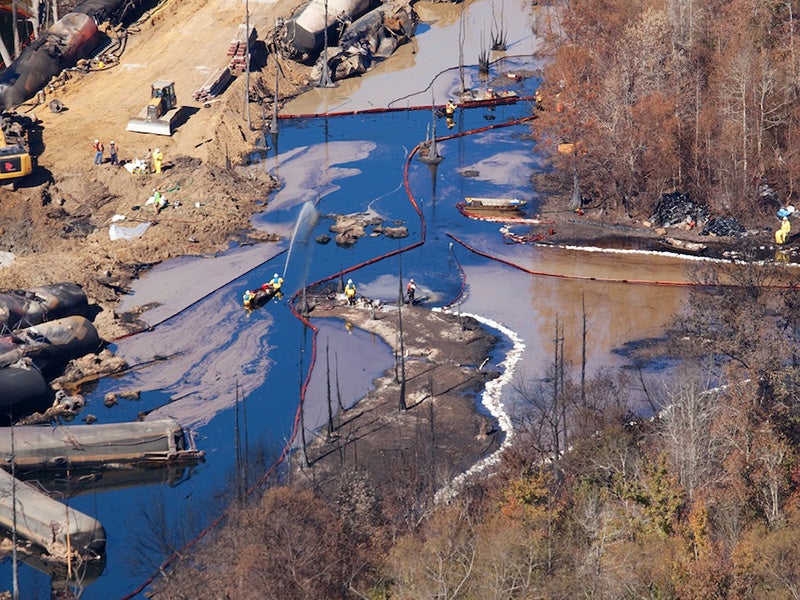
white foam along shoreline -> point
(491, 400)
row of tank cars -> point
(41, 329)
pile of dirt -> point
(61, 230)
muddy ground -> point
(57, 223)
(439, 433)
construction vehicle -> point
(15, 158)
(159, 114)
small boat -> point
(489, 97)
(682, 245)
(493, 204)
(255, 298)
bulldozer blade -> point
(144, 126)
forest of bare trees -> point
(696, 498)
(695, 96)
(700, 498)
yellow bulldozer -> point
(15, 158)
(160, 113)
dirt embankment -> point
(57, 223)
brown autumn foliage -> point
(700, 502)
(696, 96)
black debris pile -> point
(676, 208)
(723, 226)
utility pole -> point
(557, 418)
(247, 65)
(273, 126)
(306, 462)
(238, 451)
(14, 562)
(15, 27)
(461, 33)
(328, 381)
(583, 353)
(403, 406)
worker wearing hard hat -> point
(276, 282)
(449, 113)
(350, 292)
(411, 289)
(158, 158)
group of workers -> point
(350, 291)
(152, 163)
(274, 286)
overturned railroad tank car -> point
(70, 39)
(58, 529)
(370, 39)
(23, 308)
(114, 445)
(28, 355)
(23, 390)
(50, 344)
(302, 36)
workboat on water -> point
(488, 97)
(472, 204)
(255, 298)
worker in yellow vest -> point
(350, 292)
(783, 232)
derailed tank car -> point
(303, 34)
(108, 445)
(70, 39)
(23, 308)
(59, 530)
